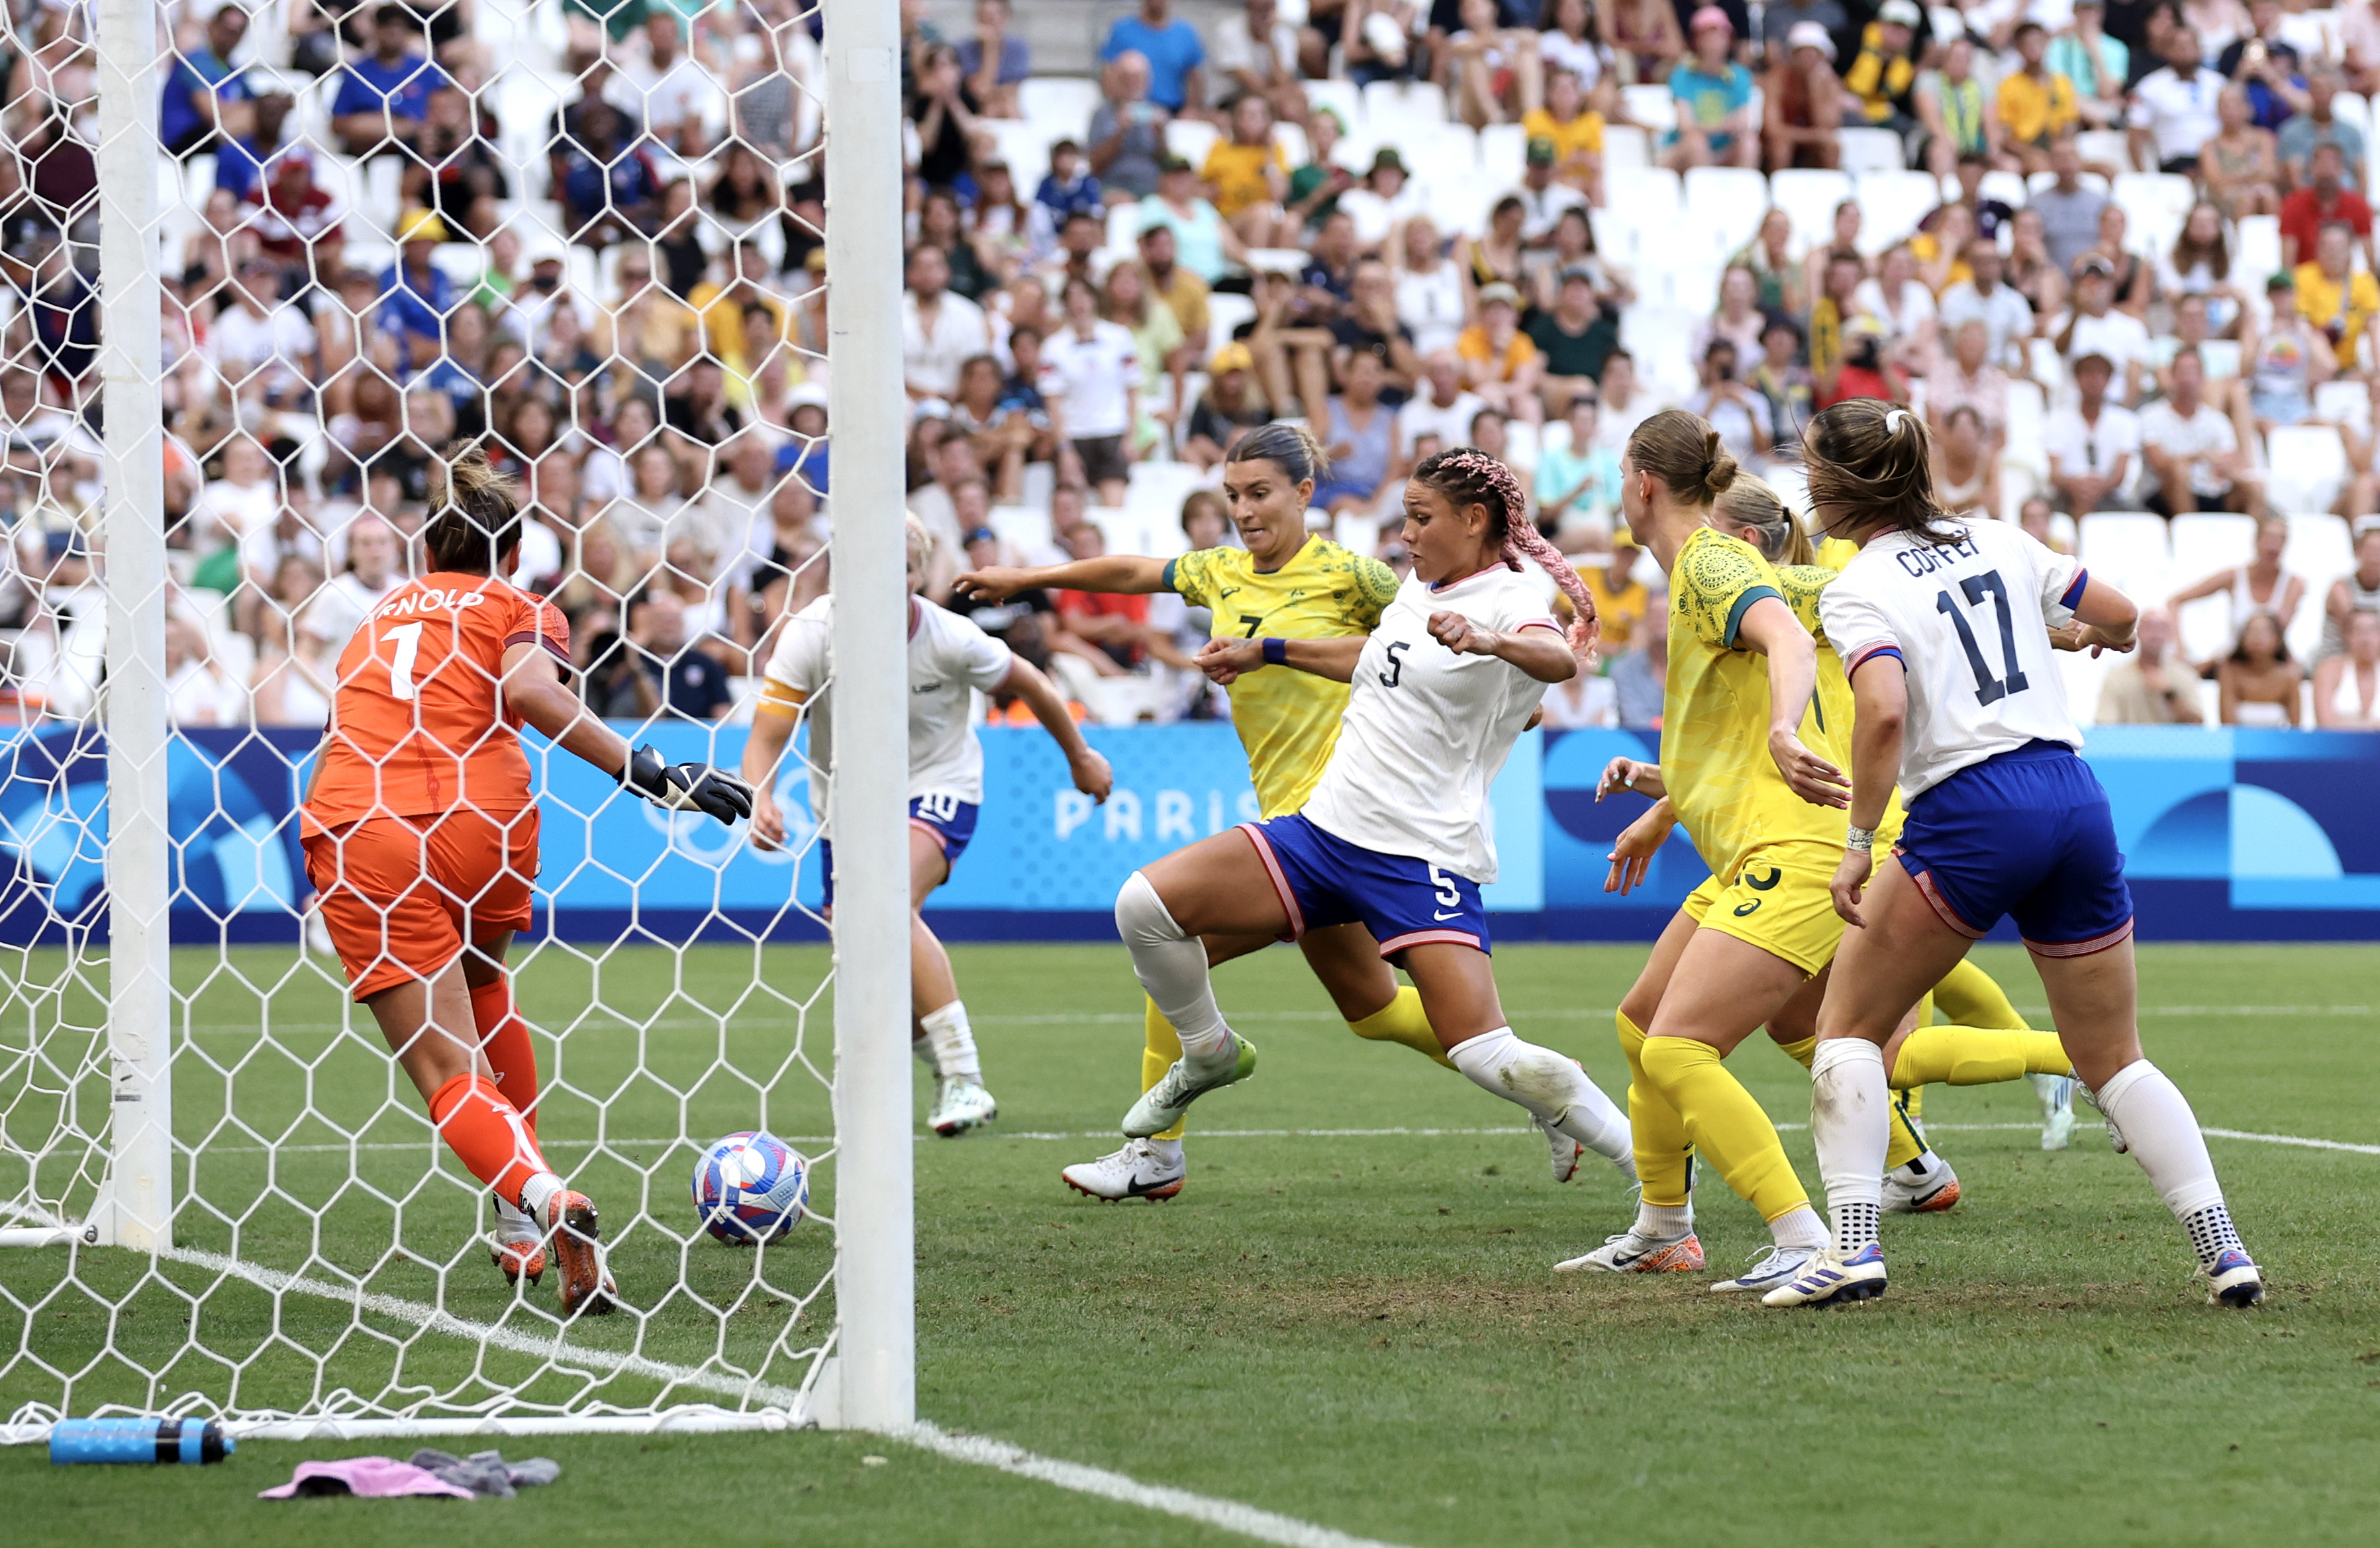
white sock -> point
(1166, 1150)
(1172, 966)
(1664, 1221)
(1551, 1085)
(1851, 1109)
(537, 1193)
(1800, 1227)
(954, 1043)
(921, 1047)
(2163, 1133)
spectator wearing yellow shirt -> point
(1249, 174)
(2036, 104)
(1883, 75)
(2339, 303)
(1574, 130)
(1500, 362)
(721, 307)
(1622, 602)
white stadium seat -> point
(1624, 145)
(2257, 250)
(1809, 195)
(1727, 201)
(1650, 106)
(1065, 102)
(2127, 548)
(2306, 467)
(1891, 203)
(2203, 545)
(1191, 139)
(1503, 152)
(1871, 151)
(1342, 97)
(1024, 147)
(2155, 203)
(1403, 101)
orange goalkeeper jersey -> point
(418, 726)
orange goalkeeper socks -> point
(503, 1038)
(488, 1134)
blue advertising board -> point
(2230, 835)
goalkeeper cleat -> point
(1633, 1252)
(577, 1244)
(1562, 1150)
(1162, 1104)
(960, 1105)
(1778, 1266)
(2057, 1093)
(518, 1248)
(1925, 1186)
(2233, 1279)
(1140, 1170)
(1834, 1280)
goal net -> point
(266, 266)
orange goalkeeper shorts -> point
(403, 895)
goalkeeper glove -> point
(687, 787)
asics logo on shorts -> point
(1743, 909)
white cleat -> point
(1142, 1169)
(2233, 1280)
(1779, 1267)
(1629, 1253)
(1562, 1150)
(1925, 1186)
(1189, 1078)
(960, 1105)
(1834, 1280)
(517, 1246)
(2057, 1093)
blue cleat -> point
(2233, 1279)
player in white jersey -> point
(1392, 836)
(950, 660)
(1943, 626)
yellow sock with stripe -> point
(1969, 997)
(1665, 1156)
(1800, 1052)
(1401, 1021)
(1973, 1055)
(1905, 1144)
(1725, 1124)
(1157, 1056)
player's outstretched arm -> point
(533, 686)
(1090, 771)
(1880, 710)
(1543, 654)
(1632, 775)
(1122, 573)
(2110, 620)
(773, 728)
(1224, 660)
(1632, 850)
(1770, 627)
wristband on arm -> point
(1860, 839)
(1276, 652)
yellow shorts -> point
(1777, 899)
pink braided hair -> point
(1470, 474)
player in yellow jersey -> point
(1751, 764)
(1284, 584)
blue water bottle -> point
(138, 1440)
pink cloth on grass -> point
(373, 1477)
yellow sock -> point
(1969, 997)
(1904, 1146)
(1803, 1052)
(1403, 1021)
(1725, 1124)
(1665, 1156)
(1157, 1054)
(1972, 1056)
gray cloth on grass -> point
(486, 1473)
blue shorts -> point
(2024, 834)
(950, 820)
(1325, 880)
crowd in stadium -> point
(2119, 256)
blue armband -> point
(1276, 653)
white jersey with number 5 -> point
(1426, 730)
(1970, 621)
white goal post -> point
(219, 1195)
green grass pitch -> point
(1359, 1332)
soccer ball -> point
(750, 1187)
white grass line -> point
(2292, 1140)
(1264, 1526)
(433, 1318)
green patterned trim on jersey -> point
(1715, 580)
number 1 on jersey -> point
(1988, 689)
(407, 639)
